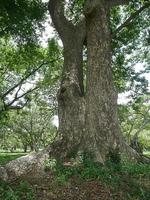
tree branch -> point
(17, 107)
(130, 19)
(19, 97)
(62, 25)
(22, 80)
(146, 121)
(26, 77)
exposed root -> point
(132, 155)
(32, 163)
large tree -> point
(88, 115)
(87, 102)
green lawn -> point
(6, 157)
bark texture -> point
(102, 127)
(88, 119)
(71, 104)
(71, 94)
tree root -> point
(32, 163)
(132, 155)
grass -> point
(6, 157)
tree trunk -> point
(102, 128)
(71, 105)
(87, 120)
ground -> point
(88, 181)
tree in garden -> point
(87, 107)
(21, 56)
(88, 115)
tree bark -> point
(87, 120)
(71, 98)
(102, 127)
(71, 103)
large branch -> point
(18, 107)
(131, 18)
(61, 23)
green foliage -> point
(21, 19)
(50, 164)
(20, 62)
(133, 180)
(30, 128)
(130, 47)
(135, 120)
(74, 10)
(136, 170)
(20, 192)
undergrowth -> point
(131, 179)
(16, 192)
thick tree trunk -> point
(71, 105)
(102, 135)
(102, 128)
(71, 101)
(87, 122)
